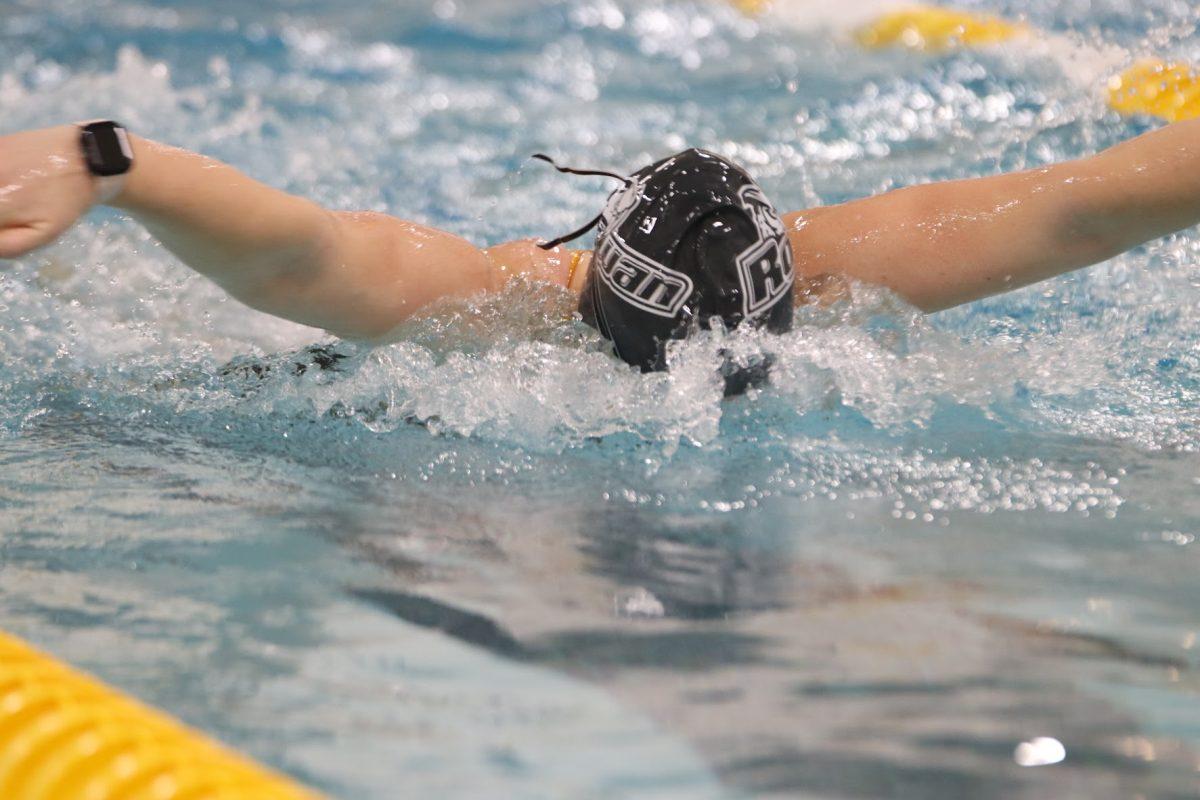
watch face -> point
(106, 148)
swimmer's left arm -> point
(942, 244)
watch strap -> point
(108, 155)
(108, 187)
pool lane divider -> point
(1169, 90)
(66, 736)
(1165, 89)
(936, 29)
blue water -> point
(488, 560)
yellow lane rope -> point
(1167, 90)
(937, 29)
(751, 7)
(1164, 89)
(66, 736)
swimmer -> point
(680, 244)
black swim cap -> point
(688, 239)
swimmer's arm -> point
(942, 244)
(357, 275)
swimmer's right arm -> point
(355, 274)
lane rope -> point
(1163, 89)
(1168, 90)
(66, 736)
(937, 29)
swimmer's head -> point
(689, 240)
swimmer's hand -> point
(44, 187)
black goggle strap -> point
(575, 234)
(550, 245)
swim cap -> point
(687, 240)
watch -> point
(108, 155)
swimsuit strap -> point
(576, 257)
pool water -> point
(490, 560)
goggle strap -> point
(550, 245)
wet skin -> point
(360, 274)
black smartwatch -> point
(108, 155)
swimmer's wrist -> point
(132, 194)
(107, 153)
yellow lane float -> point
(937, 29)
(66, 736)
(751, 7)
(1164, 89)
(1161, 88)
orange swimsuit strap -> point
(576, 257)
